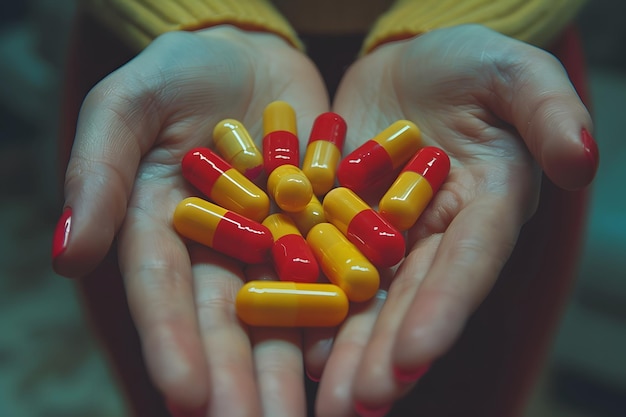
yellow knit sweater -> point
(140, 21)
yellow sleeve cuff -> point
(138, 22)
(534, 21)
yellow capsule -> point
(279, 116)
(323, 151)
(223, 230)
(291, 304)
(311, 215)
(402, 210)
(342, 263)
(235, 145)
(292, 256)
(412, 191)
(290, 188)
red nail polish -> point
(364, 411)
(411, 376)
(62, 233)
(178, 412)
(591, 147)
(312, 377)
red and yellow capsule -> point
(378, 240)
(380, 156)
(286, 183)
(292, 256)
(323, 151)
(291, 304)
(311, 215)
(223, 230)
(224, 185)
(342, 263)
(235, 145)
(411, 192)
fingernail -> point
(411, 376)
(62, 233)
(178, 412)
(591, 147)
(311, 377)
(364, 411)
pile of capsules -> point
(342, 236)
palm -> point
(143, 119)
(459, 245)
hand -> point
(503, 110)
(124, 181)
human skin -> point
(503, 111)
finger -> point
(157, 273)
(375, 385)
(334, 396)
(114, 130)
(227, 347)
(537, 97)
(472, 253)
(318, 344)
(279, 371)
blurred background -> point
(50, 364)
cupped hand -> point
(124, 181)
(503, 111)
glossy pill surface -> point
(224, 185)
(292, 256)
(223, 230)
(312, 214)
(380, 156)
(376, 238)
(414, 188)
(236, 146)
(280, 136)
(291, 304)
(323, 151)
(290, 188)
(342, 263)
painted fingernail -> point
(411, 376)
(591, 147)
(311, 376)
(364, 411)
(178, 412)
(62, 233)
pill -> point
(414, 188)
(223, 230)
(291, 304)
(323, 151)
(280, 136)
(342, 263)
(312, 214)
(224, 185)
(377, 158)
(286, 183)
(290, 188)
(376, 238)
(236, 146)
(292, 256)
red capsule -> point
(293, 258)
(223, 230)
(323, 151)
(224, 185)
(411, 192)
(379, 157)
(280, 139)
(378, 240)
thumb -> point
(113, 132)
(538, 98)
